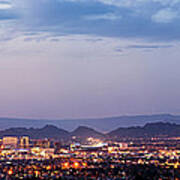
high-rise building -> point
(24, 142)
(10, 141)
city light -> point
(76, 165)
(39, 160)
(66, 165)
(10, 172)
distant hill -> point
(99, 124)
(158, 129)
(84, 132)
(48, 131)
(149, 130)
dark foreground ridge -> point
(159, 129)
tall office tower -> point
(24, 142)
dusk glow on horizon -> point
(89, 58)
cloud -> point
(167, 2)
(108, 16)
(7, 11)
(140, 19)
(118, 50)
(5, 6)
(148, 46)
(165, 16)
(138, 3)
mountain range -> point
(157, 129)
(100, 124)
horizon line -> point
(86, 118)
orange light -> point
(66, 165)
(76, 164)
(48, 167)
(84, 164)
(176, 165)
(10, 172)
(37, 173)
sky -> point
(89, 58)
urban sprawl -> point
(90, 159)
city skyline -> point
(83, 59)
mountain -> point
(84, 132)
(48, 131)
(99, 124)
(51, 131)
(158, 129)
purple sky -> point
(88, 61)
